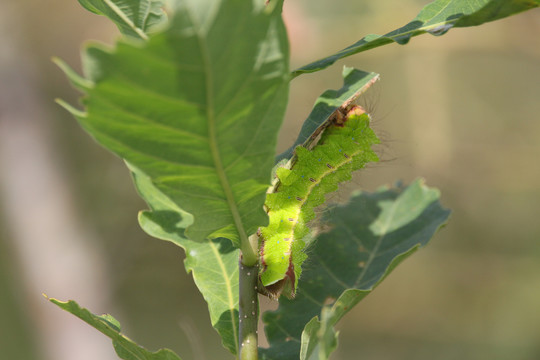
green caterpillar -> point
(344, 146)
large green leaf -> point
(369, 237)
(355, 83)
(435, 18)
(213, 263)
(106, 324)
(197, 108)
(133, 17)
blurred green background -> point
(460, 110)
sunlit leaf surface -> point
(197, 108)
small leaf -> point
(109, 326)
(213, 263)
(355, 83)
(369, 237)
(133, 17)
(435, 18)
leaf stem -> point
(249, 311)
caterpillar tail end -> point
(285, 286)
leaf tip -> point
(76, 80)
(74, 111)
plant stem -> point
(249, 249)
(249, 311)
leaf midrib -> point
(373, 253)
(230, 295)
(212, 137)
(126, 20)
(216, 156)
